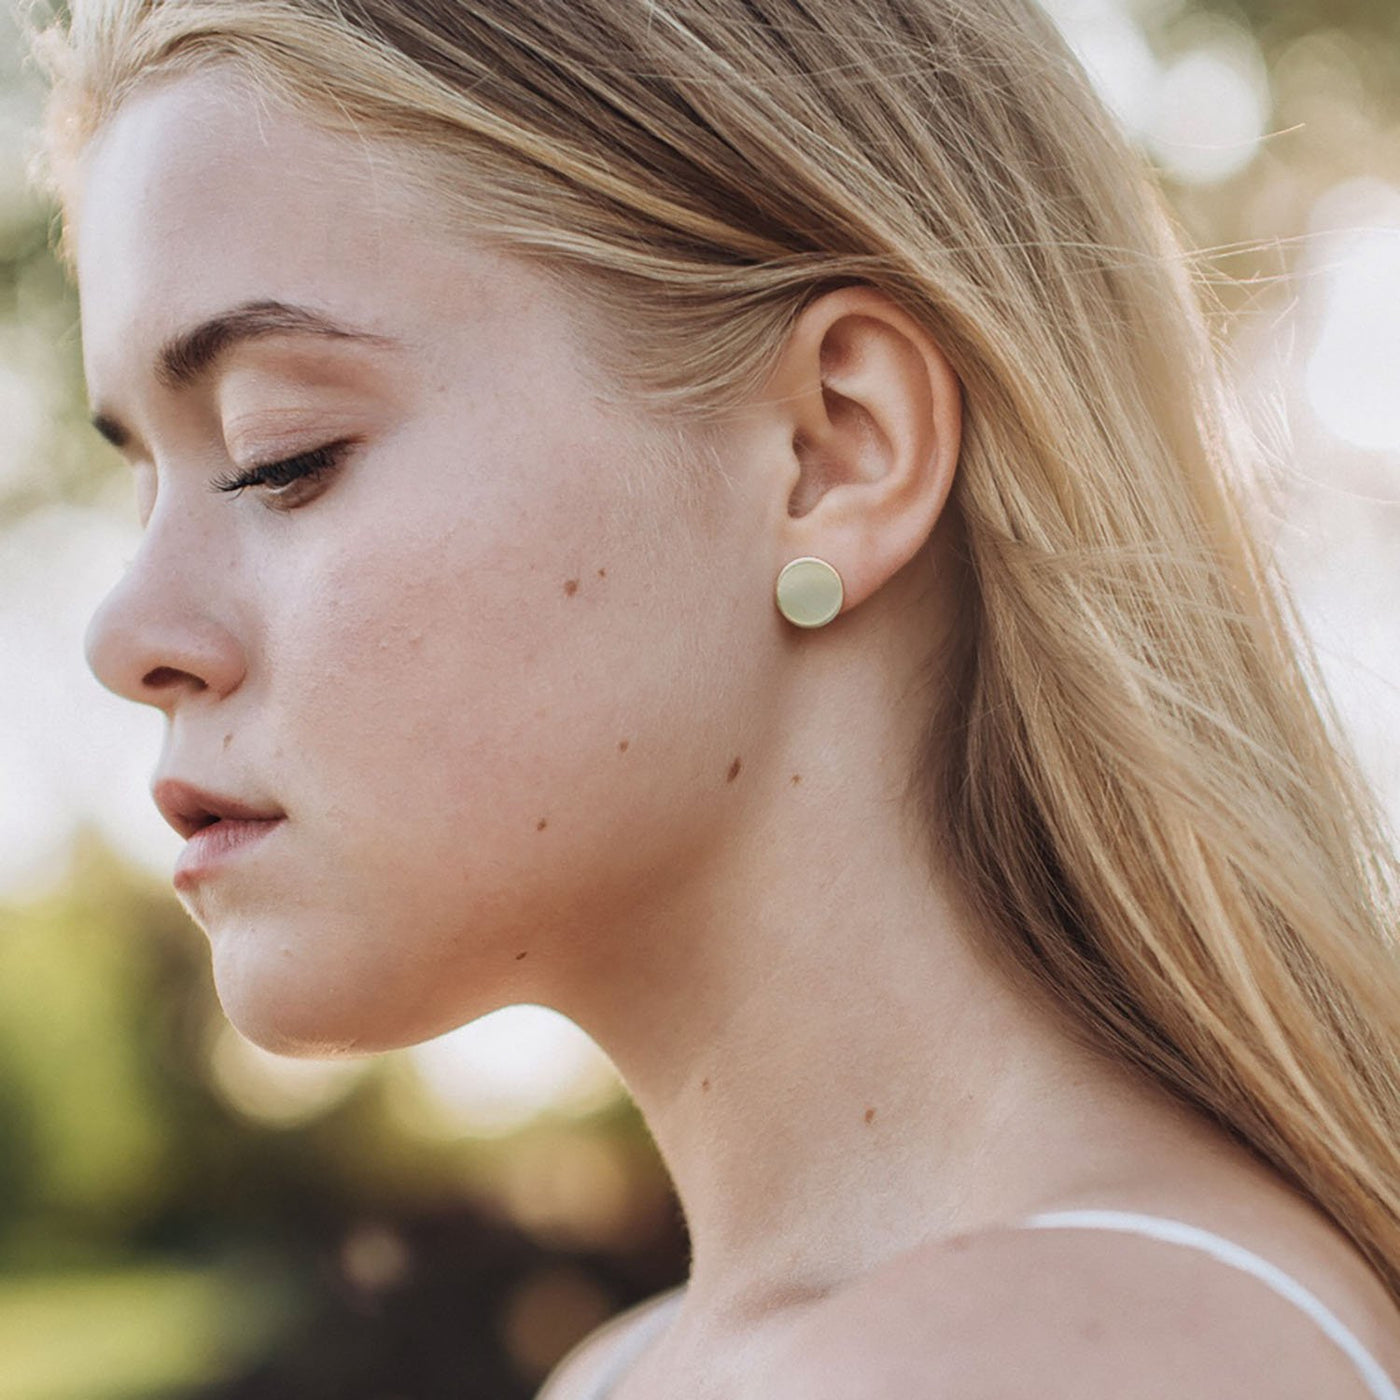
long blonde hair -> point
(1133, 765)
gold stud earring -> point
(809, 592)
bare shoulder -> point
(588, 1364)
(1066, 1314)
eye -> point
(292, 471)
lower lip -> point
(211, 846)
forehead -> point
(201, 194)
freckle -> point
(622, 747)
(602, 573)
(733, 771)
(543, 822)
(228, 739)
(1091, 1331)
(869, 1115)
(571, 587)
(796, 778)
(520, 957)
(705, 1086)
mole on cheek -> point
(704, 1086)
(571, 587)
(543, 822)
(733, 770)
(602, 573)
(519, 957)
(869, 1115)
(622, 747)
(796, 778)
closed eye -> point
(309, 466)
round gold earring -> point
(809, 592)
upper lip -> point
(188, 808)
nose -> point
(153, 640)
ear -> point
(864, 414)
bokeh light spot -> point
(497, 1073)
(1210, 111)
(1352, 379)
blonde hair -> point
(1133, 765)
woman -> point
(718, 516)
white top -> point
(658, 1317)
(1228, 1252)
(1157, 1226)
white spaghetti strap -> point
(1228, 1252)
(637, 1343)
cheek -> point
(496, 726)
(391, 676)
(460, 676)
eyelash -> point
(309, 466)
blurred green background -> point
(183, 1215)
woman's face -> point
(495, 687)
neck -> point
(802, 1008)
(831, 1073)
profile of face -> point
(495, 688)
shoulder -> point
(1060, 1315)
(586, 1366)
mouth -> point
(216, 842)
(228, 824)
(191, 809)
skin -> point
(542, 735)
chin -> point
(302, 1032)
(304, 1008)
(340, 989)
(288, 1008)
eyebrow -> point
(192, 354)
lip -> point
(189, 808)
(215, 845)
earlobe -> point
(872, 410)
